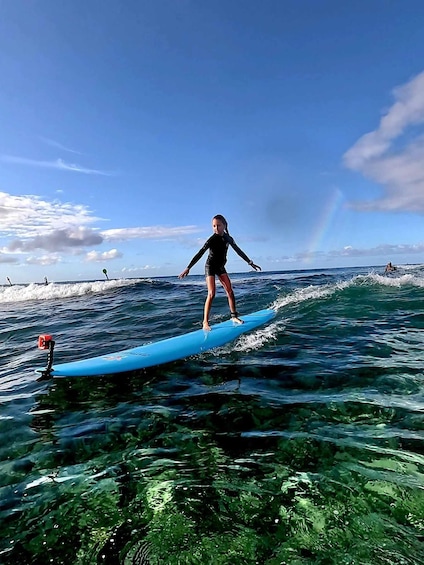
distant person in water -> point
(389, 268)
(9, 281)
(215, 266)
(46, 281)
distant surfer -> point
(389, 268)
(105, 273)
(215, 266)
(46, 282)
(9, 281)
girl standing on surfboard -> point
(215, 266)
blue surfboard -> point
(163, 351)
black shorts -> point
(212, 270)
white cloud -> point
(29, 224)
(96, 257)
(393, 154)
(380, 250)
(132, 270)
(28, 216)
(150, 232)
(58, 240)
(370, 253)
(57, 164)
(7, 259)
(51, 259)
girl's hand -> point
(256, 267)
(184, 274)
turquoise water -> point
(300, 443)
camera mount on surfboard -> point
(46, 342)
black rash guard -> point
(218, 247)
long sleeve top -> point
(218, 247)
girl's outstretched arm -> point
(243, 255)
(194, 260)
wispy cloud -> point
(134, 270)
(58, 164)
(384, 250)
(58, 145)
(393, 154)
(150, 232)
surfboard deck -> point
(163, 351)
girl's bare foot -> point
(237, 320)
(206, 326)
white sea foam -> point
(23, 293)
(396, 280)
(303, 294)
(258, 338)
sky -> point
(126, 126)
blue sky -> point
(125, 126)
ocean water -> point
(300, 443)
